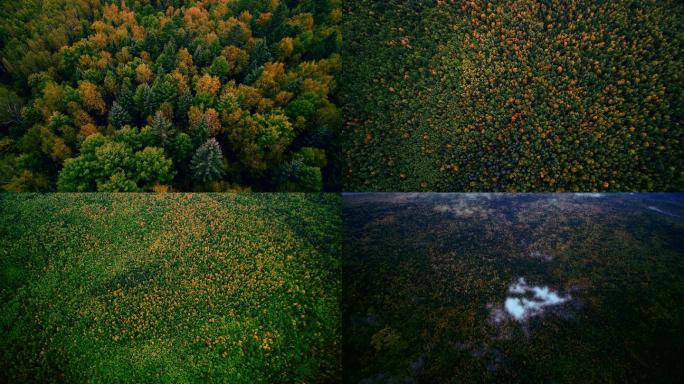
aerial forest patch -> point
(512, 288)
(169, 288)
(513, 96)
(100, 95)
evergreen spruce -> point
(183, 106)
(200, 134)
(126, 99)
(260, 54)
(207, 162)
(162, 128)
(118, 116)
(149, 102)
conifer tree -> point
(183, 106)
(260, 54)
(162, 128)
(118, 116)
(200, 134)
(125, 99)
(207, 162)
(145, 100)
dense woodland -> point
(237, 288)
(424, 277)
(533, 95)
(169, 95)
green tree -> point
(182, 147)
(260, 55)
(207, 162)
(167, 60)
(261, 141)
(304, 105)
(125, 99)
(152, 167)
(162, 128)
(145, 100)
(183, 106)
(118, 182)
(302, 172)
(164, 89)
(109, 165)
(118, 116)
(78, 175)
(236, 36)
(219, 67)
(200, 133)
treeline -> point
(169, 95)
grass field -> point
(473, 288)
(533, 95)
(176, 288)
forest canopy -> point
(169, 95)
(533, 95)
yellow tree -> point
(143, 73)
(91, 97)
(208, 85)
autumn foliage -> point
(150, 288)
(423, 275)
(74, 68)
(513, 96)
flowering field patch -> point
(239, 288)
